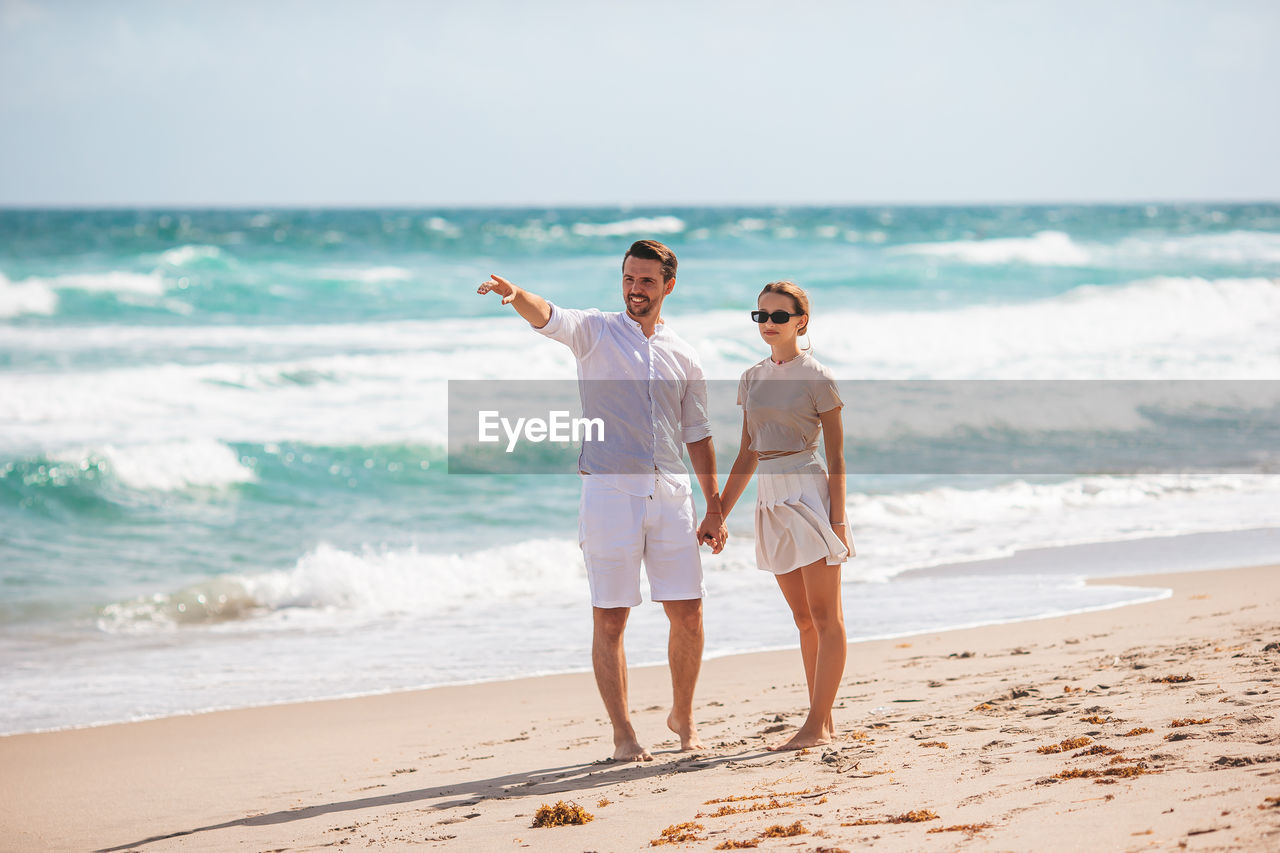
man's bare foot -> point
(631, 751)
(803, 740)
(689, 740)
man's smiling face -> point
(643, 288)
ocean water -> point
(223, 475)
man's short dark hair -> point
(652, 250)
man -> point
(637, 504)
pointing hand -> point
(500, 286)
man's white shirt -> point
(650, 393)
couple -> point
(647, 385)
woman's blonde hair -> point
(798, 296)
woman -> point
(801, 530)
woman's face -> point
(773, 333)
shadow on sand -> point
(552, 780)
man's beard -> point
(639, 310)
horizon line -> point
(648, 206)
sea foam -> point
(1057, 248)
(1157, 328)
(164, 467)
(28, 297)
(1163, 328)
(1051, 248)
(363, 585)
(1227, 247)
(182, 256)
(895, 533)
(116, 281)
(640, 226)
(948, 524)
(366, 275)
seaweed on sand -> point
(916, 816)
(727, 809)
(679, 832)
(737, 798)
(1069, 743)
(968, 828)
(1123, 772)
(780, 831)
(561, 814)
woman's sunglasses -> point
(778, 317)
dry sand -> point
(945, 724)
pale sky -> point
(381, 102)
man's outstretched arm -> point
(528, 305)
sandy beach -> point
(1151, 726)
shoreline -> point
(586, 670)
(300, 775)
(1261, 544)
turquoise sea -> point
(222, 432)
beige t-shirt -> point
(782, 403)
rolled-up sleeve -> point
(578, 330)
(695, 420)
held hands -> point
(500, 286)
(713, 532)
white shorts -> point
(793, 515)
(617, 530)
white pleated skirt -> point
(793, 515)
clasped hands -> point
(713, 532)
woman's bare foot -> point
(803, 740)
(689, 740)
(630, 751)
